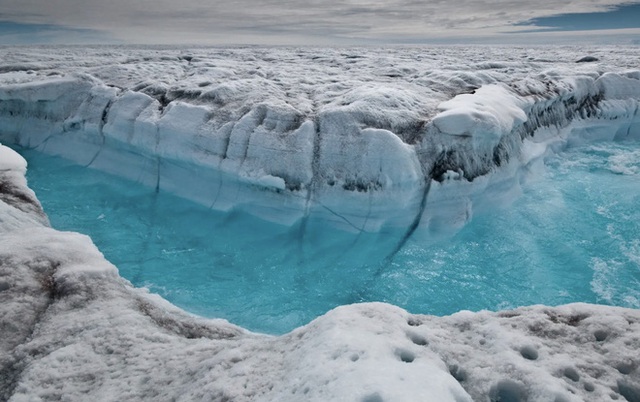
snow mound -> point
(486, 116)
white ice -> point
(353, 136)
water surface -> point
(574, 235)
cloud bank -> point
(288, 22)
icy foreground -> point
(73, 329)
(367, 138)
(409, 138)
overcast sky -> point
(318, 22)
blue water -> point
(573, 236)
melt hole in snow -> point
(625, 367)
(572, 374)
(507, 391)
(417, 339)
(600, 335)
(529, 352)
(405, 355)
(458, 373)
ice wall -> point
(299, 137)
(73, 329)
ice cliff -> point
(364, 138)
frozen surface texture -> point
(73, 329)
(355, 136)
(366, 138)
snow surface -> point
(19, 207)
(363, 137)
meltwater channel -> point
(574, 235)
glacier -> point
(415, 138)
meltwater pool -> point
(574, 235)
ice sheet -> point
(339, 128)
(289, 134)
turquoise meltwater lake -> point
(573, 236)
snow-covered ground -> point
(414, 138)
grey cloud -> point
(288, 21)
